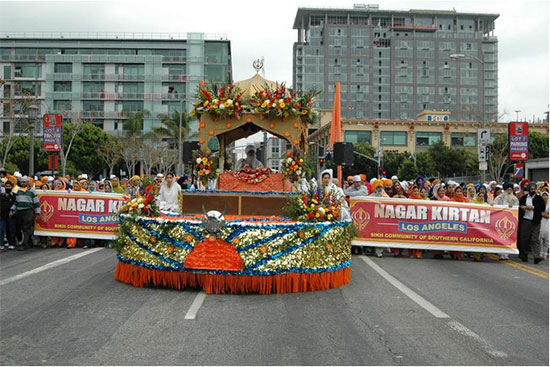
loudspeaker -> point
(343, 154)
(188, 148)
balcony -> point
(40, 58)
(61, 95)
(63, 76)
(415, 27)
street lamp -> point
(180, 141)
(32, 112)
(517, 114)
(462, 56)
(482, 62)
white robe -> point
(168, 198)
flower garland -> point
(282, 102)
(205, 166)
(139, 205)
(293, 166)
(222, 101)
(252, 176)
(315, 205)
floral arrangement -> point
(252, 176)
(142, 205)
(314, 205)
(294, 164)
(205, 166)
(219, 101)
(283, 102)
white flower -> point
(141, 206)
(198, 160)
(221, 106)
(321, 210)
(299, 172)
(289, 160)
(214, 101)
(229, 101)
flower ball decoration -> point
(294, 165)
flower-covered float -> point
(242, 241)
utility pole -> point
(180, 140)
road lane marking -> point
(457, 326)
(421, 301)
(53, 264)
(197, 303)
(529, 269)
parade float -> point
(238, 238)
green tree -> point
(170, 126)
(408, 170)
(451, 161)
(133, 126)
(392, 162)
(426, 164)
(110, 151)
(84, 149)
(538, 145)
(18, 155)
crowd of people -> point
(530, 198)
(19, 205)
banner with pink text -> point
(78, 214)
(434, 225)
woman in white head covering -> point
(329, 187)
(168, 198)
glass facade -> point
(111, 77)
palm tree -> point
(133, 126)
(170, 128)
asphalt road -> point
(490, 313)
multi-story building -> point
(392, 64)
(413, 136)
(103, 76)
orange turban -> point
(377, 183)
(363, 177)
(12, 179)
(387, 181)
(350, 178)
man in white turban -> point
(250, 159)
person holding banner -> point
(7, 222)
(378, 187)
(25, 208)
(531, 207)
(544, 228)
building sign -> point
(78, 214)
(437, 118)
(434, 225)
(53, 132)
(518, 138)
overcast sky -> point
(264, 28)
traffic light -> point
(321, 161)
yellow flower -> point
(204, 160)
(227, 104)
(206, 103)
(282, 105)
(304, 112)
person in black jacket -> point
(7, 223)
(531, 207)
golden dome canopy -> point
(253, 85)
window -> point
(63, 68)
(427, 138)
(275, 148)
(463, 139)
(27, 70)
(92, 105)
(62, 86)
(393, 138)
(62, 106)
(357, 137)
(7, 72)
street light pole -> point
(32, 112)
(517, 114)
(180, 142)
(482, 62)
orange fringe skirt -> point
(234, 284)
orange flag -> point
(336, 126)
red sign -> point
(53, 132)
(518, 138)
(78, 214)
(435, 225)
